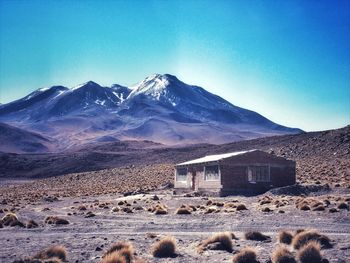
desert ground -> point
(88, 211)
(96, 222)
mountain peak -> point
(90, 83)
(153, 85)
(159, 78)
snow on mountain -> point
(160, 108)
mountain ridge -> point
(160, 108)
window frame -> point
(177, 175)
(205, 173)
(258, 180)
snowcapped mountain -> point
(160, 108)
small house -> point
(245, 172)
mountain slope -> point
(160, 108)
(17, 140)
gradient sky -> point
(288, 60)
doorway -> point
(194, 182)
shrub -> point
(265, 201)
(82, 208)
(310, 253)
(210, 210)
(183, 211)
(333, 210)
(266, 210)
(304, 207)
(223, 240)
(285, 237)
(127, 254)
(55, 220)
(305, 237)
(11, 219)
(121, 202)
(58, 252)
(32, 224)
(282, 255)
(241, 207)
(319, 208)
(326, 202)
(229, 205)
(117, 247)
(246, 255)
(114, 257)
(343, 205)
(53, 260)
(115, 209)
(299, 231)
(257, 236)
(160, 210)
(166, 247)
(316, 204)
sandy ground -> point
(86, 239)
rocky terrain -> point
(126, 195)
(322, 157)
(89, 225)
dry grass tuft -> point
(246, 255)
(305, 237)
(118, 246)
(32, 224)
(11, 219)
(114, 257)
(282, 255)
(183, 211)
(285, 237)
(310, 253)
(319, 208)
(343, 205)
(266, 210)
(82, 208)
(115, 209)
(53, 260)
(333, 210)
(299, 231)
(58, 252)
(304, 207)
(56, 220)
(241, 207)
(257, 236)
(160, 210)
(222, 241)
(164, 248)
(210, 210)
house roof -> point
(216, 157)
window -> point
(211, 173)
(258, 174)
(181, 174)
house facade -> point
(245, 172)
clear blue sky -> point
(288, 60)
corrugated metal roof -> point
(216, 157)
